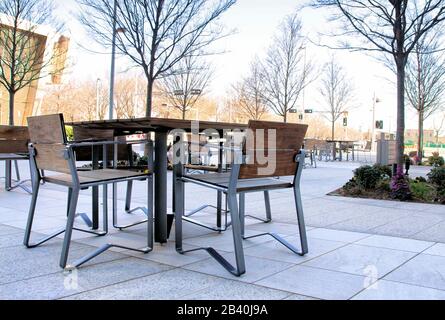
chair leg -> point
(301, 223)
(69, 227)
(236, 231)
(150, 232)
(17, 172)
(242, 212)
(268, 209)
(179, 213)
(32, 209)
(128, 196)
(236, 228)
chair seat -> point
(12, 156)
(95, 176)
(243, 185)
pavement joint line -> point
(398, 267)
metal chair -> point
(365, 150)
(49, 151)
(310, 146)
(247, 177)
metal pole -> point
(373, 121)
(113, 64)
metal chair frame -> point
(18, 182)
(74, 190)
(237, 213)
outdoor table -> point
(161, 128)
(338, 147)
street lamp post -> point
(113, 60)
(374, 103)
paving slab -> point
(424, 270)
(256, 268)
(317, 283)
(174, 284)
(389, 290)
(336, 235)
(235, 290)
(362, 260)
(62, 284)
(276, 251)
(396, 243)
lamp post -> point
(113, 60)
(375, 100)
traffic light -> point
(345, 122)
(293, 111)
(379, 125)
(300, 116)
(308, 111)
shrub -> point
(423, 190)
(420, 179)
(400, 188)
(352, 187)
(69, 133)
(436, 160)
(384, 185)
(385, 171)
(368, 177)
(437, 177)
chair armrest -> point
(212, 146)
(104, 143)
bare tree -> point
(337, 92)
(187, 84)
(286, 71)
(439, 126)
(391, 27)
(249, 93)
(425, 81)
(23, 58)
(128, 96)
(157, 33)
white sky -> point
(255, 22)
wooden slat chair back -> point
(48, 137)
(87, 134)
(312, 144)
(48, 129)
(286, 146)
(14, 139)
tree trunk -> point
(149, 103)
(333, 130)
(183, 113)
(400, 136)
(420, 138)
(285, 117)
(11, 107)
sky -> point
(255, 22)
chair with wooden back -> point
(14, 147)
(115, 154)
(271, 150)
(311, 148)
(50, 151)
